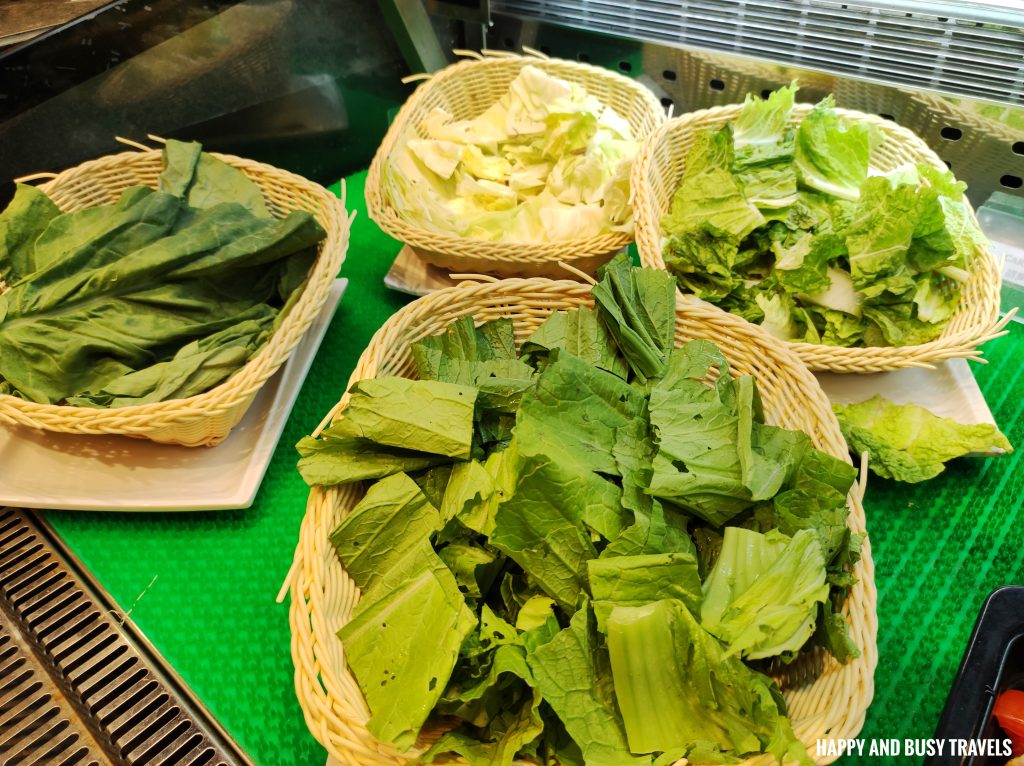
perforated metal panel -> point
(972, 49)
(982, 141)
(78, 683)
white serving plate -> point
(43, 469)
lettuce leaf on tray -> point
(908, 443)
(159, 295)
(597, 578)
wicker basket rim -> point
(317, 593)
(964, 342)
(381, 209)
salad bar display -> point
(590, 505)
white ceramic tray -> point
(41, 469)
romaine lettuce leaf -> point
(907, 442)
(761, 132)
(393, 517)
(540, 525)
(574, 677)
(832, 154)
(397, 412)
(714, 202)
(638, 580)
(936, 299)
(898, 325)
(882, 229)
(763, 592)
(581, 333)
(196, 367)
(678, 690)
(341, 455)
(638, 307)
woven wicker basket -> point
(323, 596)
(207, 418)
(465, 90)
(655, 178)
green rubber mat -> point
(202, 585)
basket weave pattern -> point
(323, 596)
(655, 177)
(204, 419)
(465, 90)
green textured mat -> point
(939, 549)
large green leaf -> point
(639, 309)
(397, 412)
(581, 333)
(540, 526)
(679, 691)
(403, 640)
(393, 517)
(763, 592)
(907, 442)
(832, 154)
(575, 679)
(21, 223)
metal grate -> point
(79, 684)
(970, 49)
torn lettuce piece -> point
(679, 691)
(341, 455)
(540, 526)
(393, 517)
(581, 333)
(436, 417)
(908, 443)
(574, 677)
(936, 297)
(403, 641)
(638, 580)
(761, 598)
(804, 267)
(498, 744)
(761, 132)
(832, 154)
(716, 203)
(882, 228)
(448, 356)
(655, 530)
(895, 324)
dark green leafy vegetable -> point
(159, 295)
(608, 620)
